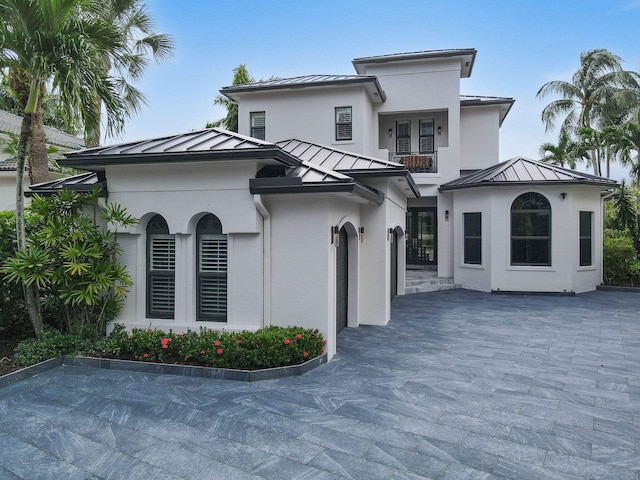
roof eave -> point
(259, 186)
(99, 162)
(604, 185)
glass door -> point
(422, 236)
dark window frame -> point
(401, 136)
(342, 124)
(426, 135)
(209, 228)
(472, 233)
(259, 132)
(586, 238)
(157, 228)
(530, 225)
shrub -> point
(266, 348)
(621, 266)
(14, 320)
(55, 343)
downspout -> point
(266, 260)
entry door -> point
(342, 280)
(422, 238)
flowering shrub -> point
(266, 348)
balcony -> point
(417, 162)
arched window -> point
(161, 254)
(531, 230)
(211, 269)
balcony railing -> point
(417, 162)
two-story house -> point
(333, 187)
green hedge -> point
(55, 343)
(621, 266)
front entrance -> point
(422, 238)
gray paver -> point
(459, 385)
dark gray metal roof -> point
(204, 145)
(467, 66)
(11, 123)
(84, 182)
(8, 166)
(311, 178)
(505, 103)
(371, 82)
(348, 163)
(524, 171)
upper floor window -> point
(161, 253)
(531, 230)
(403, 137)
(426, 136)
(258, 124)
(473, 238)
(211, 269)
(343, 123)
(586, 239)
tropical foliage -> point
(597, 115)
(71, 262)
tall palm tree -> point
(62, 42)
(129, 61)
(583, 101)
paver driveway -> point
(460, 385)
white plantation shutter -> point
(258, 125)
(344, 124)
(403, 137)
(426, 136)
(212, 270)
(161, 255)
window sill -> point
(587, 268)
(530, 268)
(473, 266)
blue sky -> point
(521, 45)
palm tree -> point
(131, 59)
(565, 154)
(584, 100)
(63, 42)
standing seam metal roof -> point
(520, 170)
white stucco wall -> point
(8, 190)
(182, 194)
(496, 271)
(479, 137)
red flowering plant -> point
(266, 348)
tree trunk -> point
(30, 292)
(38, 157)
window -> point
(586, 239)
(343, 123)
(473, 238)
(403, 137)
(160, 269)
(211, 270)
(531, 230)
(258, 124)
(426, 136)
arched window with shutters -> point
(531, 230)
(161, 254)
(211, 270)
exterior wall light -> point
(335, 235)
(391, 133)
(439, 130)
(361, 234)
(563, 195)
(446, 214)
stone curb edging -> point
(165, 368)
(615, 288)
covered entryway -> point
(422, 238)
(342, 280)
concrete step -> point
(427, 281)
